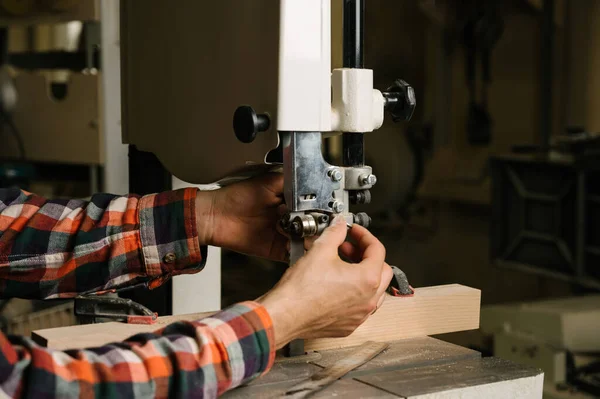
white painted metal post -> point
(304, 92)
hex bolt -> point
(368, 179)
(324, 219)
(335, 174)
(337, 206)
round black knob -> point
(247, 124)
(400, 100)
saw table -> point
(413, 368)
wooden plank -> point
(432, 310)
(93, 335)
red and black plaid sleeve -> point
(60, 248)
(200, 359)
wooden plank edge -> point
(432, 310)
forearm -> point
(54, 249)
(202, 358)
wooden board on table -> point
(93, 335)
(432, 310)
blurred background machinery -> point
(49, 118)
(60, 129)
(50, 96)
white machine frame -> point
(307, 100)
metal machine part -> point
(356, 106)
(307, 184)
(342, 100)
(311, 184)
(315, 191)
(359, 178)
(289, 40)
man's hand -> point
(243, 217)
(323, 296)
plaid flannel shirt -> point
(61, 248)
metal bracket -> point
(307, 184)
(359, 178)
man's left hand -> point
(243, 217)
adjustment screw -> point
(335, 174)
(400, 100)
(368, 180)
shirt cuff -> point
(168, 235)
(246, 331)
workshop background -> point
(493, 184)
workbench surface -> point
(422, 368)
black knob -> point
(400, 100)
(247, 124)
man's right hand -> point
(323, 296)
